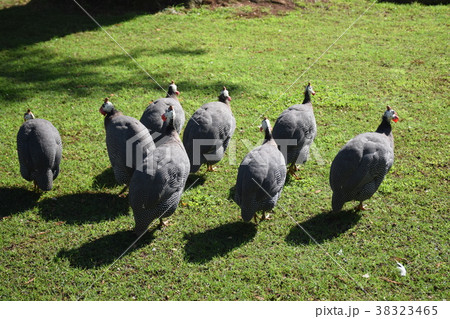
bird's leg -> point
(360, 207)
(209, 168)
(265, 217)
(35, 187)
(292, 169)
(121, 194)
(255, 219)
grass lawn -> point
(63, 244)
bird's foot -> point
(123, 192)
(163, 224)
(210, 168)
(360, 206)
(266, 217)
(292, 169)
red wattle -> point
(163, 117)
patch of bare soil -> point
(259, 8)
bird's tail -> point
(45, 180)
(336, 203)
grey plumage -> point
(127, 140)
(260, 178)
(361, 165)
(296, 129)
(211, 126)
(155, 191)
(151, 117)
(39, 148)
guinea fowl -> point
(295, 130)
(208, 132)
(151, 117)
(361, 165)
(39, 148)
(260, 178)
(128, 142)
(155, 191)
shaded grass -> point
(202, 247)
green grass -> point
(53, 246)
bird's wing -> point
(360, 161)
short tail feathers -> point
(336, 203)
(45, 180)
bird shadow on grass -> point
(203, 247)
(14, 200)
(231, 193)
(84, 208)
(104, 250)
(105, 179)
(194, 180)
(322, 227)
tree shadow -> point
(194, 181)
(42, 20)
(213, 88)
(15, 200)
(54, 76)
(104, 250)
(84, 208)
(322, 227)
(105, 179)
(177, 51)
(203, 247)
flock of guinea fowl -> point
(148, 156)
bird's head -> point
(28, 115)
(106, 107)
(309, 90)
(265, 124)
(169, 114)
(390, 114)
(172, 89)
(224, 95)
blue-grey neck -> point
(307, 98)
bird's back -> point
(359, 167)
(296, 126)
(128, 141)
(211, 126)
(39, 149)
(260, 180)
(155, 190)
(151, 118)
